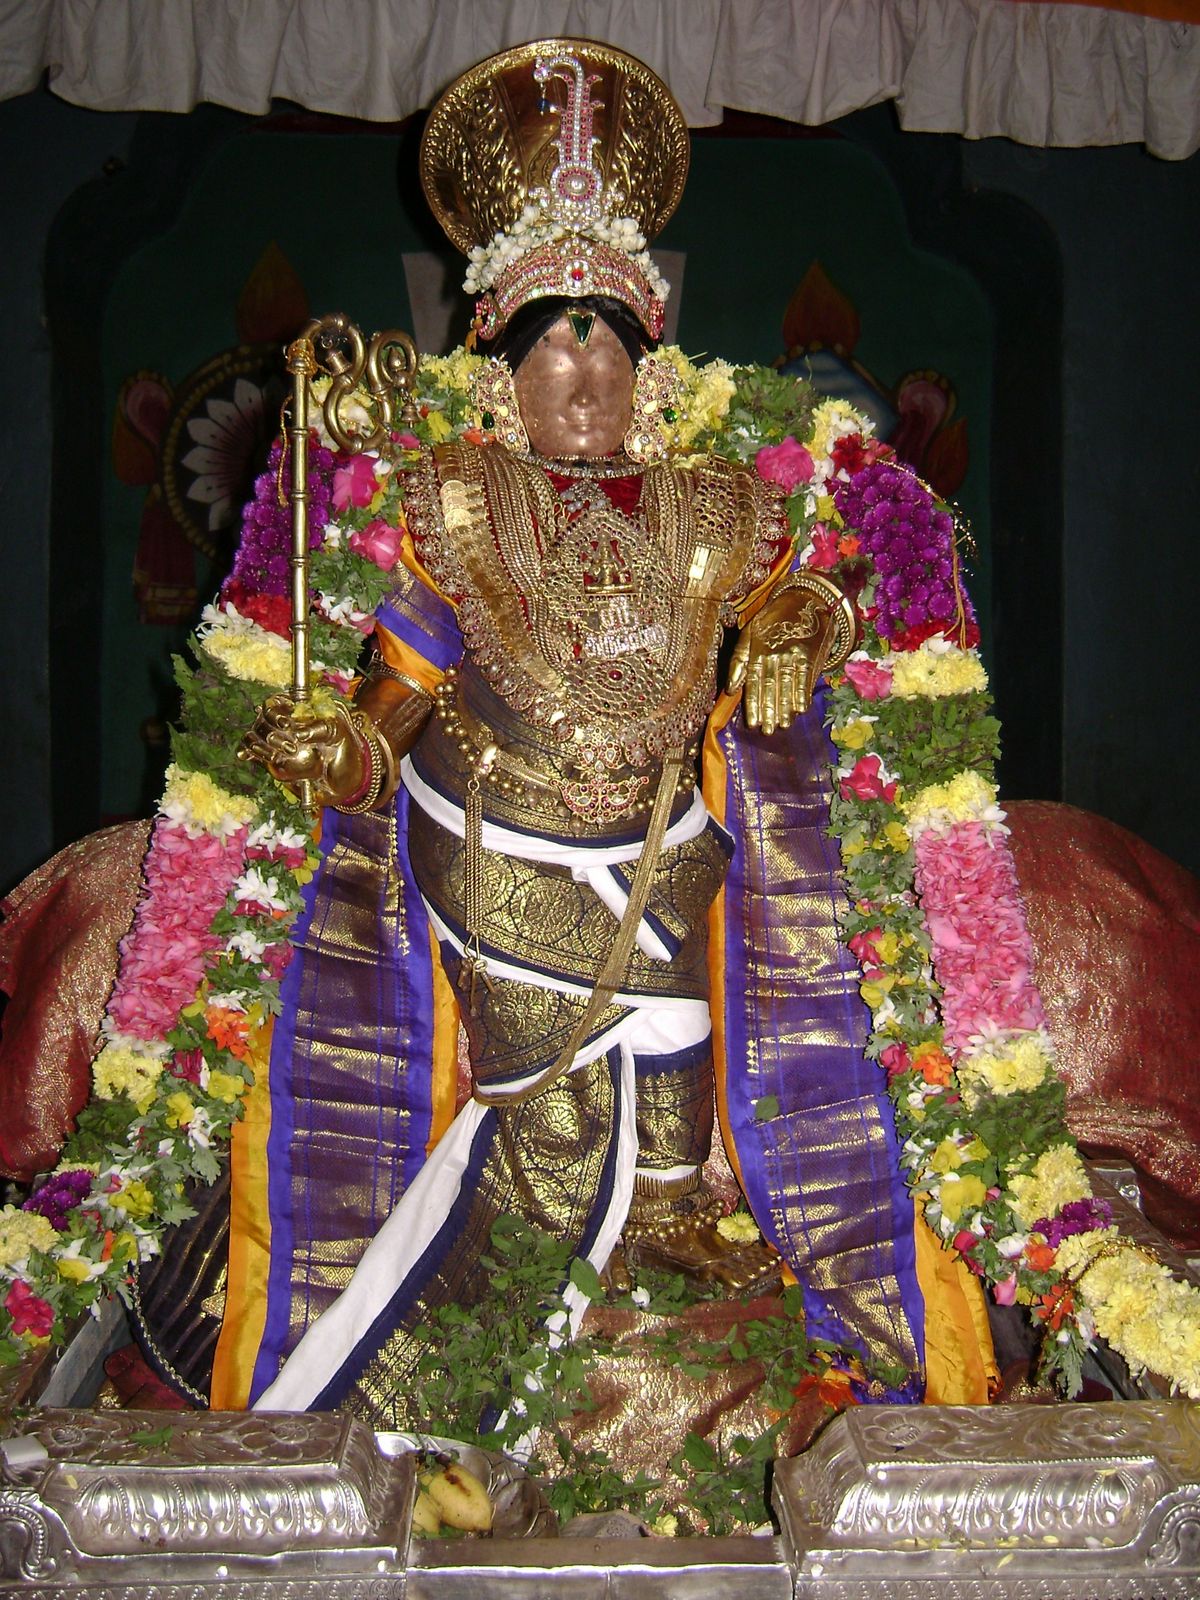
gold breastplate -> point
(598, 625)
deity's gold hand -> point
(802, 631)
(297, 744)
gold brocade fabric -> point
(645, 1407)
(537, 915)
(675, 1114)
(793, 962)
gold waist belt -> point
(599, 795)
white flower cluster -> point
(537, 225)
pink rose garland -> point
(163, 954)
(983, 955)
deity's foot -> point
(681, 1236)
(615, 1277)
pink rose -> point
(378, 543)
(277, 958)
(1005, 1292)
(29, 1312)
(895, 1059)
(787, 464)
(187, 1065)
(355, 484)
(866, 781)
(869, 680)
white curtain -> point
(1043, 74)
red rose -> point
(866, 781)
(895, 1059)
(29, 1312)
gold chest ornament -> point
(598, 625)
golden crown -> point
(550, 166)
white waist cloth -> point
(588, 863)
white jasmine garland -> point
(535, 227)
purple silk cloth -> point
(809, 1113)
(351, 1071)
(421, 620)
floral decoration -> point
(935, 919)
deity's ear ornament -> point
(657, 392)
(550, 165)
(494, 391)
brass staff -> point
(302, 365)
(370, 390)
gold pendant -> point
(599, 798)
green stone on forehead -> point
(582, 321)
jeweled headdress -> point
(550, 166)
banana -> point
(426, 1523)
(459, 1498)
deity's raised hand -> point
(299, 745)
(804, 630)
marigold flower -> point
(196, 803)
(22, 1232)
(936, 669)
(739, 1227)
(119, 1070)
(1057, 1176)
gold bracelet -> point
(374, 748)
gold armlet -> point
(384, 669)
(829, 595)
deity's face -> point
(576, 399)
